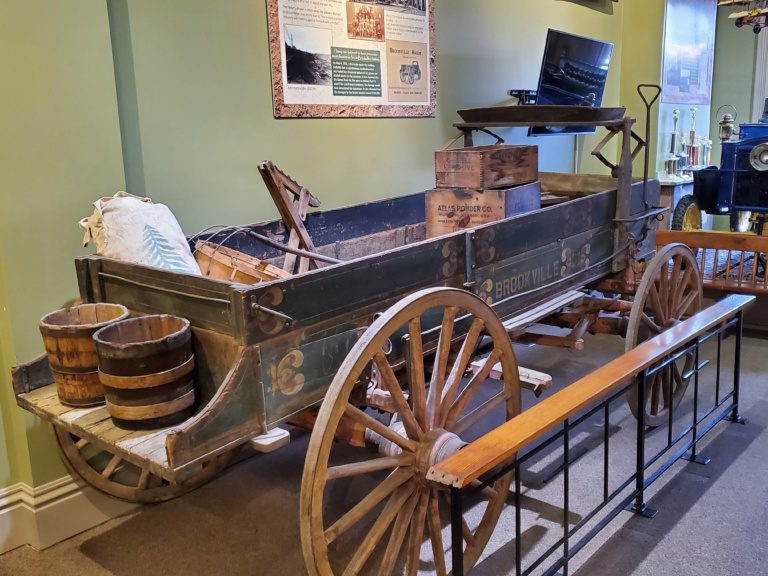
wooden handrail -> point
(719, 240)
(502, 443)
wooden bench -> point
(503, 443)
(728, 261)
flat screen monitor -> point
(573, 74)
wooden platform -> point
(142, 448)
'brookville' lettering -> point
(526, 280)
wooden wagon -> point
(373, 352)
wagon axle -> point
(435, 446)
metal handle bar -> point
(648, 103)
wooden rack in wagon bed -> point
(375, 350)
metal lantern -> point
(727, 123)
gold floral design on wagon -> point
(485, 251)
(269, 323)
(486, 291)
(574, 260)
(451, 256)
(286, 376)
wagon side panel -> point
(352, 292)
(296, 375)
(647, 248)
(204, 302)
(544, 253)
(330, 309)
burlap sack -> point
(134, 229)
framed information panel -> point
(689, 51)
(354, 59)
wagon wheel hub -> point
(435, 446)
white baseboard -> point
(47, 514)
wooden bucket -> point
(147, 366)
(68, 338)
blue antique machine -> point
(740, 186)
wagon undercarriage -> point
(377, 349)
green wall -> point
(733, 80)
(643, 28)
(194, 79)
(59, 151)
(193, 85)
(732, 83)
(14, 458)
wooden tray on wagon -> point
(542, 114)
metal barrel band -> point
(148, 380)
(151, 410)
(73, 370)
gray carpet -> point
(712, 519)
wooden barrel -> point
(147, 366)
(68, 338)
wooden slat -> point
(303, 205)
(729, 278)
(281, 187)
(504, 442)
(531, 316)
(142, 448)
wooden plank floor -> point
(145, 448)
(531, 316)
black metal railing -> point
(682, 445)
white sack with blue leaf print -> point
(134, 229)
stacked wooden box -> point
(481, 184)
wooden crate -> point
(223, 263)
(484, 167)
(452, 209)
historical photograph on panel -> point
(405, 6)
(412, 6)
(406, 69)
(365, 21)
(689, 51)
(307, 55)
(352, 58)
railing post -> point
(717, 376)
(735, 416)
(566, 495)
(518, 528)
(694, 457)
(457, 540)
(639, 506)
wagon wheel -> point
(669, 292)
(116, 477)
(435, 420)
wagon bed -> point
(250, 337)
(372, 342)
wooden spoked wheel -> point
(669, 292)
(399, 522)
(116, 477)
